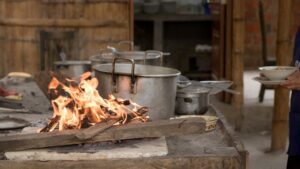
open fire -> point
(79, 105)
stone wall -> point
(253, 54)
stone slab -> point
(127, 149)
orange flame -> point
(82, 104)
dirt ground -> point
(256, 126)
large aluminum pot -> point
(150, 57)
(72, 68)
(151, 86)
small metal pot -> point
(192, 100)
(150, 57)
(72, 68)
(151, 86)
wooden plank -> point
(129, 131)
(92, 131)
(82, 1)
(95, 23)
(283, 57)
(61, 22)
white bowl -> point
(277, 72)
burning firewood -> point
(79, 104)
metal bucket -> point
(151, 86)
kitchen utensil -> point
(151, 86)
(277, 72)
(266, 81)
(182, 81)
(72, 68)
(193, 99)
(218, 86)
(12, 123)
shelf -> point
(198, 75)
(172, 17)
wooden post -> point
(131, 21)
(284, 56)
(238, 57)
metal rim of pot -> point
(72, 62)
(107, 56)
(151, 71)
(105, 68)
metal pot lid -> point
(140, 70)
(73, 62)
(135, 55)
(193, 89)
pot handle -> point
(156, 52)
(114, 77)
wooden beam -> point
(61, 22)
(83, 1)
(238, 53)
(131, 21)
(129, 131)
(283, 57)
(92, 131)
(228, 47)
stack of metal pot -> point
(138, 76)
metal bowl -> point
(277, 72)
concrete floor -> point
(256, 126)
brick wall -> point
(253, 56)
